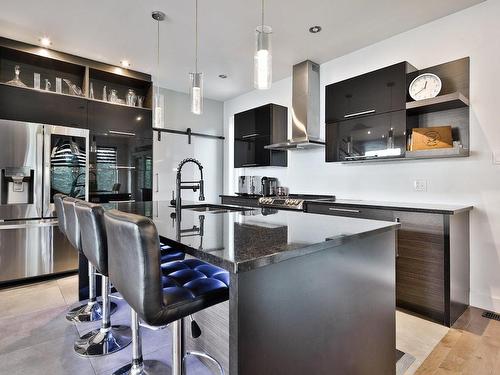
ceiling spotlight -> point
(45, 42)
(223, 76)
(138, 118)
(125, 63)
(315, 29)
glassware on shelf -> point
(131, 97)
(105, 93)
(48, 85)
(91, 91)
(113, 96)
(17, 81)
(140, 101)
(59, 85)
(73, 89)
(36, 81)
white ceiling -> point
(112, 30)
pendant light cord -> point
(158, 50)
(262, 16)
(196, 37)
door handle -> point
(157, 182)
(359, 113)
(344, 210)
(250, 135)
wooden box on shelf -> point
(431, 138)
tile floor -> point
(36, 339)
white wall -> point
(474, 32)
(173, 148)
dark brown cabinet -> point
(432, 258)
(380, 91)
(256, 128)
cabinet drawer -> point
(350, 211)
(376, 92)
(246, 202)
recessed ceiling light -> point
(125, 63)
(45, 42)
(223, 76)
(138, 118)
(315, 29)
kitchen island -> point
(309, 294)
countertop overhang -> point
(240, 241)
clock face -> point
(425, 86)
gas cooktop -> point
(293, 201)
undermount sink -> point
(214, 208)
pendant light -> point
(157, 97)
(262, 60)
(196, 78)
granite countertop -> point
(240, 241)
(446, 209)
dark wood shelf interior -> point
(439, 103)
(52, 64)
(121, 84)
(49, 69)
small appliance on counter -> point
(257, 186)
(268, 186)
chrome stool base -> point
(145, 368)
(90, 312)
(202, 355)
(103, 341)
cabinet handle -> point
(250, 135)
(344, 210)
(157, 183)
(250, 165)
(359, 113)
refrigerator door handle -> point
(38, 191)
(28, 224)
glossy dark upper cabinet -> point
(21, 104)
(256, 128)
(369, 137)
(377, 92)
(115, 119)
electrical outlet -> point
(496, 157)
(420, 185)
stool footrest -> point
(203, 355)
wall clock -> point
(425, 86)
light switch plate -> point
(496, 157)
(420, 185)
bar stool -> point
(92, 310)
(158, 294)
(109, 338)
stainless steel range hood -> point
(305, 109)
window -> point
(106, 168)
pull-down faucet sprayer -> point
(194, 185)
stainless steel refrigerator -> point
(36, 162)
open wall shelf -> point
(439, 103)
(55, 67)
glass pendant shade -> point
(158, 104)
(263, 60)
(196, 93)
